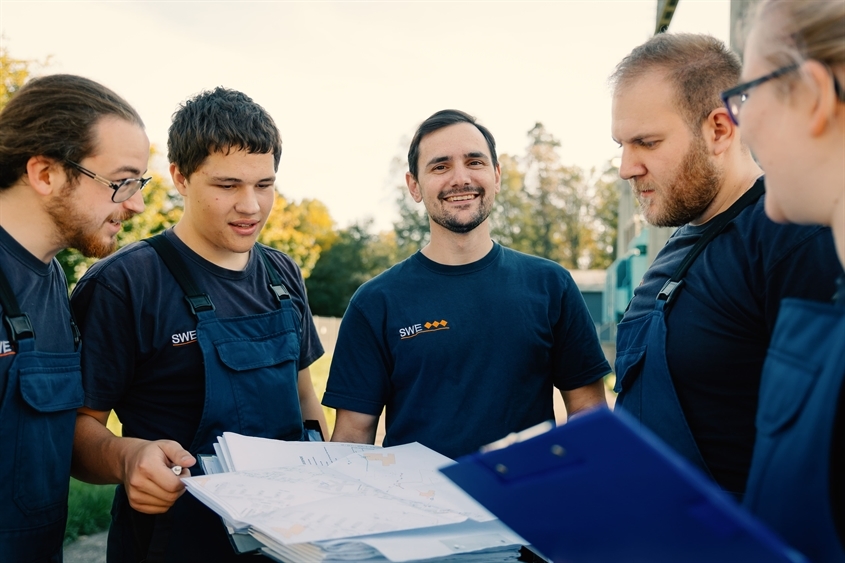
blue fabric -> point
(246, 364)
(719, 326)
(463, 355)
(636, 393)
(791, 482)
(142, 356)
(40, 390)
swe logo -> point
(6, 348)
(421, 328)
(182, 338)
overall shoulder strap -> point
(275, 285)
(197, 300)
(18, 323)
(716, 227)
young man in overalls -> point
(72, 154)
(689, 353)
(194, 332)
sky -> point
(347, 83)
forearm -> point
(584, 398)
(355, 427)
(98, 455)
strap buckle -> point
(668, 292)
(20, 327)
(279, 290)
(199, 303)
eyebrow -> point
(239, 180)
(128, 169)
(439, 159)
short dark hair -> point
(55, 116)
(439, 120)
(699, 66)
(219, 121)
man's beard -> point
(688, 195)
(452, 223)
(77, 230)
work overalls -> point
(643, 380)
(37, 421)
(790, 483)
(251, 373)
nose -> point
(630, 166)
(248, 202)
(461, 176)
(135, 204)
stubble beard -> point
(688, 195)
(77, 230)
(453, 224)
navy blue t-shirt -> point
(720, 323)
(41, 292)
(141, 357)
(463, 355)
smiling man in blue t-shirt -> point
(464, 341)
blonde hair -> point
(793, 31)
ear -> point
(822, 97)
(498, 177)
(719, 131)
(413, 187)
(179, 180)
(45, 175)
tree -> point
(14, 73)
(300, 230)
(355, 257)
(412, 230)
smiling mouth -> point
(459, 198)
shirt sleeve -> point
(359, 376)
(578, 358)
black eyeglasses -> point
(736, 96)
(123, 190)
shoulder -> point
(135, 257)
(760, 236)
(282, 260)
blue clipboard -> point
(602, 489)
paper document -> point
(390, 503)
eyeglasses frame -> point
(742, 89)
(113, 185)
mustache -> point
(478, 190)
(121, 216)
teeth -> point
(461, 197)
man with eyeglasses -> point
(691, 346)
(192, 333)
(54, 128)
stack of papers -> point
(319, 501)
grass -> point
(89, 506)
(88, 509)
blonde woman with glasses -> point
(791, 111)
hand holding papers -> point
(311, 501)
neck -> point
(216, 255)
(22, 215)
(739, 176)
(456, 249)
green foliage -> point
(355, 257)
(555, 211)
(89, 509)
(14, 73)
(300, 230)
